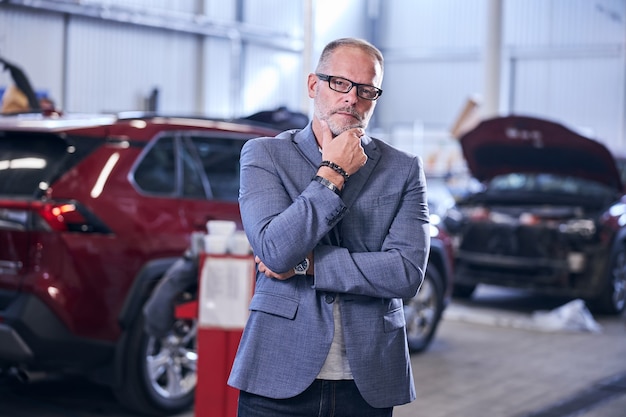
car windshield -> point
(549, 184)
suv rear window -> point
(30, 161)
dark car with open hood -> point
(551, 216)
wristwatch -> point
(302, 267)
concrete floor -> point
(487, 360)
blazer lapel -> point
(308, 147)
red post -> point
(216, 352)
(226, 284)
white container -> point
(216, 244)
(238, 244)
(221, 227)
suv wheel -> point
(613, 299)
(160, 374)
(423, 311)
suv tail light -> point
(59, 216)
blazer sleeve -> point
(284, 213)
(397, 268)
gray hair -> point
(363, 45)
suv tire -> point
(423, 311)
(159, 375)
(613, 298)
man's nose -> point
(352, 96)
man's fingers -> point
(327, 135)
(269, 273)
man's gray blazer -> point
(382, 217)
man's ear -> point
(312, 85)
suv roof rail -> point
(279, 119)
(140, 114)
(147, 115)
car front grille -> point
(516, 241)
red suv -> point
(94, 209)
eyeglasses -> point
(343, 85)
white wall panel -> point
(271, 79)
(432, 50)
(116, 54)
(221, 86)
(563, 23)
(561, 58)
(431, 92)
(33, 42)
(184, 6)
(114, 67)
(284, 15)
(337, 19)
(220, 9)
(567, 63)
(431, 25)
(583, 93)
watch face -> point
(302, 267)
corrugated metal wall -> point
(433, 64)
(33, 41)
(204, 57)
(433, 51)
(566, 62)
(271, 77)
(562, 59)
(114, 66)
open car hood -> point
(524, 144)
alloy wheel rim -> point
(171, 362)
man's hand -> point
(344, 150)
(271, 274)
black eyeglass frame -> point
(328, 78)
